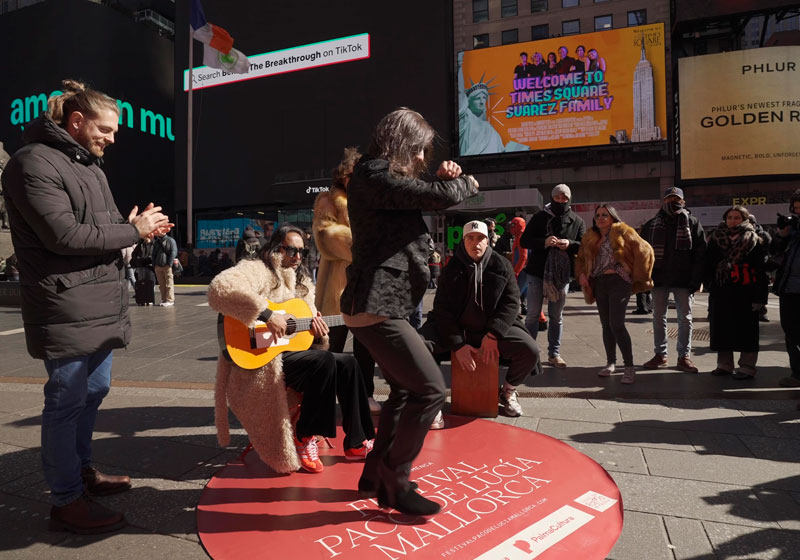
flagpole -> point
(189, 221)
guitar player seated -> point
(258, 396)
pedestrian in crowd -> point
(786, 243)
(333, 238)
(4, 157)
(385, 283)
(612, 263)
(736, 281)
(224, 262)
(127, 255)
(519, 259)
(144, 273)
(74, 304)
(312, 259)
(165, 256)
(491, 224)
(679, 245)
(203, 264)
(435, 266)
(249, 246)
(214, 259)
(258, 397)
(553, 238)
(12, 268)
(476, 315)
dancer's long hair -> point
(399, 137)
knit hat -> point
(673, 191)
(249, 233)
(561, 189)
(475, 226)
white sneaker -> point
(438, 422)
(606, 371)
(510, 403)
(166, 304)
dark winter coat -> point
(541, 226)
(142, 261)
(500, 296)
(67, 234)
(165, 251)
(679, 269)
(389, 273)
(732, 322)
(788, 248)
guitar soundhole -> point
(291, 326)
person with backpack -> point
(165, 254)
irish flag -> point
(218, 51)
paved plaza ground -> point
(708, 468)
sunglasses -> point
(292, 252)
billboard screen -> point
(579, 90)
(739, 113)
(111, 52)
(320, 79)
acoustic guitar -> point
(253, 347)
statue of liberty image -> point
(475, 134)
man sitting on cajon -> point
(476, 314)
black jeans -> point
(517, 346)
(338, 337)
(612, 294)
(417, 394)
(790, 323)
(323, 376)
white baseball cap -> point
(475, 226)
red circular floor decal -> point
(506, 493)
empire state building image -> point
(644, 103)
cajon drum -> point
(474, 393)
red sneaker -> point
(308, 452)
(358, 453)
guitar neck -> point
(304, 324)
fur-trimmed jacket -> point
(331, 226)
(630, 250)
(258, 398)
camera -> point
(788, 221)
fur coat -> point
(258, 398)
(631, 251)
(331, 226)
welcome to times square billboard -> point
(579, 90)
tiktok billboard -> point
(739, 114)
(592, 89)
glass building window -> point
(480, 10)
(508, 8)
(601, 23)
(538, 6)
(540, 32)
(509, 36)
(637, 17)
(480, 41)
(570, 3)
(571, 27)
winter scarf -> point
(735, 244)
(557, 265)
(658, 232)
